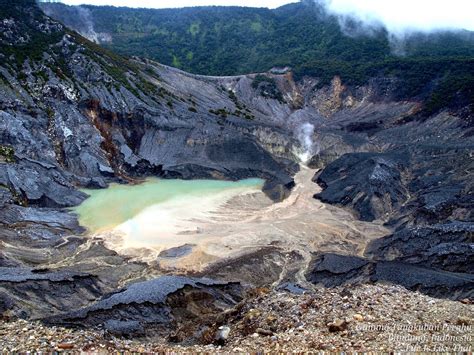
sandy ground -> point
(240, 221)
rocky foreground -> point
(360, 318)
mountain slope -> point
(233, 40)
(51, 68)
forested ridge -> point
(237, 40)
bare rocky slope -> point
(74, 115)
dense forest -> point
(238, 40)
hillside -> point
(234, 40)
(240, 40)
(367, 203)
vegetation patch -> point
(224, 113)
(7, 154)
(267, 87)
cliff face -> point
(75, 115)
(90, 116)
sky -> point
(396, 15)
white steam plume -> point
(305, 133)
(88, 30)
(80, 19)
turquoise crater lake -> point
(153, 205)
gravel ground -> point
(362, 318)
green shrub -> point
(267, 87)
(7, 154)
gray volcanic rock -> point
(36, 224)
(260, 268)
(447, 246)
(371, 183)
(157, 304)
(177, 252)
(337, 264)
(153, 291)
(14, 214)
(431, 281)
(18, 274)
(39, 184)
(48, 291)
(333, 270)
(424, 187)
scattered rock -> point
(293, 329)
(222, 335)
(264, 332)
(464, 321)
(65, 346)
(337, 326)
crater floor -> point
(192, 233)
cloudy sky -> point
(397, 15)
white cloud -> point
(400, 16)
(181, 3)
